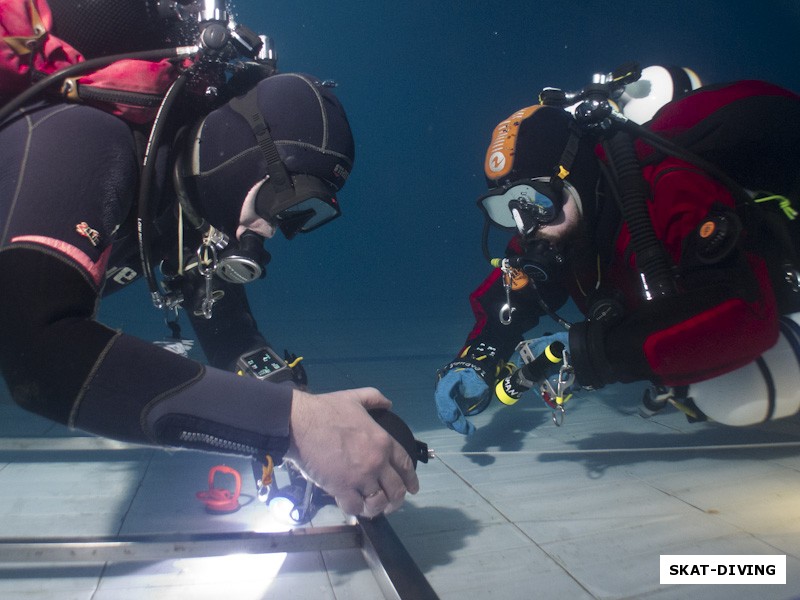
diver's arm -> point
(231, 331)
(683, 339)
(491, 343)
(488, 302)
(61, 363)
(723, 315)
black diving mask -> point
(523, 205)
(303, 205)
(295, 203)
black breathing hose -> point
(145, 211)
(88, 65)
(651, 257)
(667, 146)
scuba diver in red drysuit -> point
(684, 265)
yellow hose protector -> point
(509, 400)
(502, 396)
(550, 356)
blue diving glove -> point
(460, 392)
(464, 389)
(539, 344)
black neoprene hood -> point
(308, 126)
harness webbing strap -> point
(247, 106)
(567, 158)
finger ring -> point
(373, 494)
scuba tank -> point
(766, 389)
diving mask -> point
(523, 205)
(297, 207)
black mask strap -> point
(247, 106)
(562, 170)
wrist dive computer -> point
(264, 364)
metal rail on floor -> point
(396, 573)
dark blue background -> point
(424, 83)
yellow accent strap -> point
(473, 407)
(508, 367)
(623, 75)
(562, 172)
(295, 362)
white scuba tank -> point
(764, 390)
(657, 86)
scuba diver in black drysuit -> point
(88, 204)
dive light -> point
(298, 502)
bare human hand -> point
(338, 446)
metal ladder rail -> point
(395, 571)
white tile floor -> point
(523, 509)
